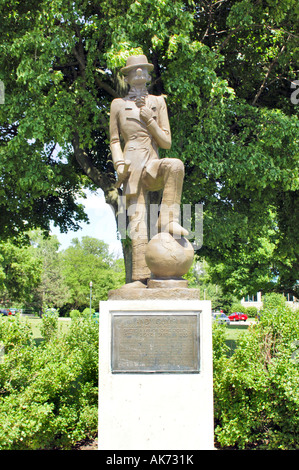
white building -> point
(253, 301)
(256, 301)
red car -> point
(237, 316)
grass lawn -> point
(35, 324)
(233, 332)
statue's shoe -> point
(174, 228)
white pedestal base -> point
(155, 411)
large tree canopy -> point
(226, 68)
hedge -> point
(48, 392)
(256, 390)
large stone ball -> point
(168, 257)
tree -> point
(226, 68)
(52, 290)
(199, 277)
(88, 261)
(20, 273)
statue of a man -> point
(141, 120)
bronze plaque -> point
(155, 343)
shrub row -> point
(256, 390)
(48, 392)
(49, 395)
(250, 311)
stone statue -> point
(140, 120)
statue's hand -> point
(121, 170)
(146, 114)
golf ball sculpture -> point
(168, 257)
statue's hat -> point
(136, 61)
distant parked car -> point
(220, 317)
(6, 311)
(49, 312)
(238, 316)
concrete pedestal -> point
(148, 401)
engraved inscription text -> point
(155, 343)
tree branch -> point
(106, 87)
(209, 21)
(80, 60)
(79, 54)
(223, 44)
(89, 169)
(268, 73)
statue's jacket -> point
(140, 147)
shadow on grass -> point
(232, 344)
(237, 326)
(233, 333)
(38, 341)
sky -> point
(102, 224)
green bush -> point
(251, 312)
(49, 326)
(237, 307)
(85, 314)
(75, 314)
(14, 332)
(256, 390)
(273, 301)
(49, 392)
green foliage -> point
(273, 301)
(40, 276)
(87, 312)
(88, 261)
(49, 326)
(75, 314)
(226, 70)
(251, 312)
(14, 333)
(51, 291)
(198, 278)
(48, 393)
(219, 346)
(256, 390)
(237, 307)
(20, 272)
